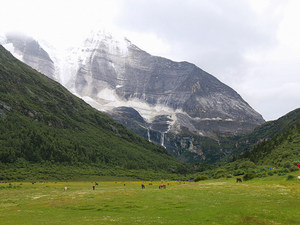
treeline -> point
(23, 138)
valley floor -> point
(271, 200)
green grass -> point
(270, 200)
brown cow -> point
(143, 186)
(238, 180)
(162, 186)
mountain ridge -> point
(171, 97)
(40, 121)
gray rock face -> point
(191, 97)
(30, 52)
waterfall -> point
(162, 139)
(148, 134)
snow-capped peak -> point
(73, 58)
(115, 44)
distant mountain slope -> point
(265, 132)
(174, 104)
(281, 141)
(114, 72)
(30, 52)
(41, 121)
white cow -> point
(65, 188)
(298, 178)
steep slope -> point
(41, 121)
(117, 73)
(265, 132)
(174, 104)
(274, 144)
(281, 150)
(279, 141)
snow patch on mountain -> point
(108, 94)
(107, 99)
(116, 45)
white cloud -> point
(61, 22)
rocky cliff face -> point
(117, 73)
(30, 52)
(170, 103)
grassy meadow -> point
(270, 200)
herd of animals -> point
(161, 186)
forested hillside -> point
(40, 121)
(281, 150)
(275, 144)
(266, 131)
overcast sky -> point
(251, 45)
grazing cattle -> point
(96, 183)
(93, 187)
(150, 183)
(238, 179)
(298, 178)
(162, 186)
(143, 186)
(65, 188)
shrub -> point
(282, 172)
(295, 163)
(245, 165)
(200, 177)
(238, 172)
(290, 177)
(262, 170)
(249, 176)
(271, 173)
(287, 164)
(293, 168)
(220, 173)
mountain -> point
(41, 121)
(276, 141)
(265, 132)
(274, 144)
(174, 104)
(30, 52)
